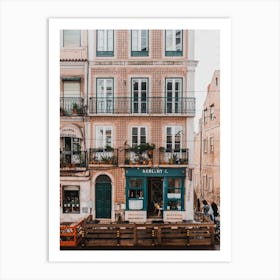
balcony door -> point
(104, 101)
(71, 150)
(140, 95)
(173, 95)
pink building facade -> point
(207, 146)
(126, 124)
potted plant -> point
(173, 159)
(75, 108)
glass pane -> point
(71, 38)
(134, 131)
(110, 40)
(178, 40)
(169, 40)
(174, 182)
(100, 40)
(135, 40)
(144, 43)
(136, 183)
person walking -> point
(215, 208)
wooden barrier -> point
(148, 235)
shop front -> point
(155, 194)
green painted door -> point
(103, 200)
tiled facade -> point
(207, 146)
(114, 99)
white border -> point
(222, 24)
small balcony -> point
(142, 105)
(106, 156)
(72, 106)
(73, 159)
(173, 156)
(142, 154)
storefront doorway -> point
(103, 197)
(155, 196)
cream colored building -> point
(207, 146)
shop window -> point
(105, 42)
(135, 194)
(174, 194)
(173, 42)
(71, 38)
(71, 199)
(139, 43)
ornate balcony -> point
(71, 106)
(142, 105)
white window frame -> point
(138, 35)
(174, 128)
(103, 36)
(172, 33)
(176, 96)
(139, 99)
(104, 103)
(138, 134)
(103, 141)
(73, 44)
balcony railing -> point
(173, 156)
(103, 156)
(142, 105)
(71, 106)
(73, 159)
(133, 157)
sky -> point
(207, 52)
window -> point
(105, 92)
(211, 144)
(174, 92)
(105, 42)
(103, 136)
(71, 38)
(71, 88)
(204, 182)
(173, 138)
(173, 42)
(135, 194)
(217, 81)
(205, 144)
(210, 184)
(138, 135)
(205, 116)
(212, 110)
(139, 43)
(174, 194)
(71, 199)
(139, 95)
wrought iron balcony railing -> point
(173, 156)
(71, 106)
(133, 157)
(142, 105)
(73, 159)
(103, 156)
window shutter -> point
(71, 89)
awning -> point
(71, 131)
(75, 78)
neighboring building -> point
(127, 120)
(207, 146)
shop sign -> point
(156, 172)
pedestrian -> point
(207, 209)
(215, 208)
